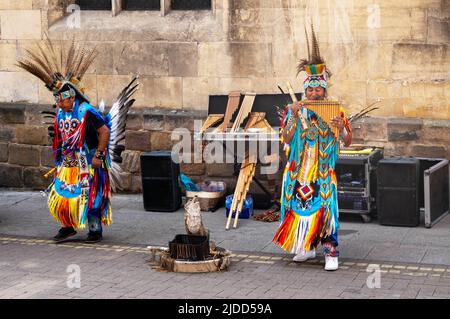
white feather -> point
(101, 106)
(118, 114)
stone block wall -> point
(404, 136)
(26, 155)
(394, 53)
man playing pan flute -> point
(309, 207)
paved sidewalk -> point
(410, 262)
(26, 214)
(36, 268)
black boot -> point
(64, 233)
(93, 238)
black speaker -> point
(160, 187)
(398, 191)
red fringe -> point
(56, 138)
(64, 215)
(83, 131)
(283, 230)
(93, 190)
(106, 191)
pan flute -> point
(326, 110)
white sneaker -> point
(331, 263)
(304, 255)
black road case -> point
(434, 189)
(398, 191)
(357, 186)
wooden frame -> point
(245, 109)
(232, 105)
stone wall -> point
(404, 136)
(25, 151)
(394, 53)
(378, 50)
(26, 155)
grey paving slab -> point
(26, 214)
(354, 249)
(397, 253)
(437, 256)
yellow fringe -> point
(108, 220)
(69, 175)
(291, 238)
(66, 210)
(301, 239)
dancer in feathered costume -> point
(86, 143)
(309, 208)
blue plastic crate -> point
(247, 207)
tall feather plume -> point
(87, 63)
(75, 61)
(304, 62)
(70, 56)
(48, 60)
(315, 56)
(52, 64)
(307, 44)
(54, 56)
(77, 66)
(40, 61)
(34, 69)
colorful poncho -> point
(309, 208)
(78, 188)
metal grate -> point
(191, 4)
(94, 4)
(142, 5)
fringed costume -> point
(79, 192)
(309, 209)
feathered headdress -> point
(314, 66)
(59, 68)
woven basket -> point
(209, 200)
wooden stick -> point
(244, 194)
(248, 178)
(236, 196)
(245, 109)
(233, 103)
(241, 197)
(46, 175)
(294, 100)
(238, 211)
(233, 203)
